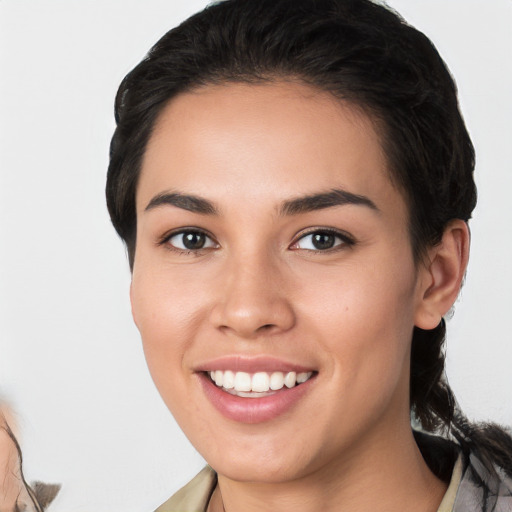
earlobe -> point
(442, 275)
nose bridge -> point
(253, 300)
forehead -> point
(261, 143)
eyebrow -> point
(184, 201)
(335, 197)
(308, 203)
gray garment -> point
(480, 491)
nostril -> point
(266, 327)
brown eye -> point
(191, 241)
(322, 240)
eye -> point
(190, 240)
(322, 240)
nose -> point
(252, 301)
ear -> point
(441, 275)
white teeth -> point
(229, 380)
(242, 381)
(260, 382)
(276, 381)
(303, 377)
(290, 379)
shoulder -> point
(194, 497)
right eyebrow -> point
(184, 201)
(323, 200)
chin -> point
(261, 459)
(264, 470)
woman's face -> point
(272, 246)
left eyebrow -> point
(335, 197)
(184, 201)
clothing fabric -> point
(472, 487)
(195, 496)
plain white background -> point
(70, 359)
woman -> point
(293, 182)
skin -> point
(259, 288)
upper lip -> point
(251, 364)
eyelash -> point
(165, 241)
(345, 240)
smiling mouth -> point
(256, 385)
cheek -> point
(167, 315)
(365, 315)
(165, 301)
(366, 327)
(360, 295)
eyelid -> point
(346, 239)
(164, 239)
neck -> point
(390, 473)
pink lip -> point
(249, 364)
(253, 410)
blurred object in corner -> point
(15, 494)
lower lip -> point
(253, 410)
